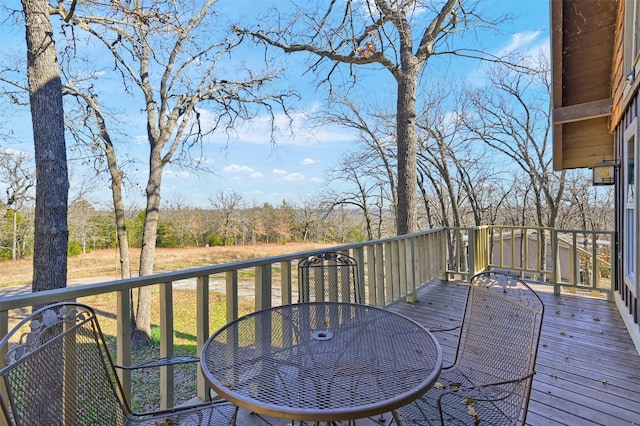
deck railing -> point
(570, 260)
(388, 269)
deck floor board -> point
(588, 370)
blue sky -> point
(248, 164)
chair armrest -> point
(161, 362)
(440, 330)
(444, 330)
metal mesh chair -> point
(328, 277)
(57, 370)
(490, 380)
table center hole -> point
(322, 335)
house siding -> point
(583, 42)
(627, 294)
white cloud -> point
(521, 41)
(309, 161)
(235, 168)
(294, 176)
(528, 45)
(288, 176)
(292, 129)
(16, 153)
(242, 171)
(181, 174)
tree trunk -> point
(142, 332)
(407, 211)
(116, 190)
(52, 181)
(14, 249)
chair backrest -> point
(330, 277)
(501, 332)
(57, 370)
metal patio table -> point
(321, 361)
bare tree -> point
(91, 130)
(511, 114)
(17, 174)
(436, 153)
(228, 205)
(189, 225)
(376, 133)
(80, 214)
(87, 125)
(282, 224)
(309, 218)
(584, 205)
(458, 170)
(365, 190)
(47, 117)
(256, 223)
(399, 36)
(165, 51)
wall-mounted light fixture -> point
(604, 173)
(632, 75)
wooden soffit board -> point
(582, 48)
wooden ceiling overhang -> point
(582, 54)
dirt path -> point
(102, 265)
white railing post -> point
(166, 345)
(231, 294)
(202, 330)
(123, 340)
(285, 282)
(263, 287)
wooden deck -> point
(588, 370)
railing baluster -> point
(379, 274)
(391, 275)
(123, 339)
(285, 282)
(202, 330)
(359, 256)
(400, 287)
(166, 345)
(263, 286)
(231, 294)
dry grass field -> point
(105, 265)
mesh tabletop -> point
(322, 361)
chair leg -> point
(396, 418)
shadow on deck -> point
(588, 369)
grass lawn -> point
(145, 383)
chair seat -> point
(455, 390)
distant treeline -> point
(91, 229)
